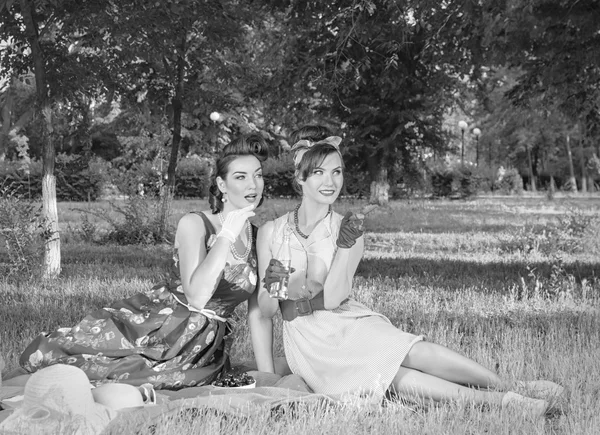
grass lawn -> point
(513, 283)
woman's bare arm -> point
(268, 305)
(200, 271)
(261, 335)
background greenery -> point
(393, 77)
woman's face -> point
(243, 185)
(324, 183)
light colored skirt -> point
(350, 350)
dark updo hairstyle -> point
(313, 133)
(312, 159)
(248, 145)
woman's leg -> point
(448, 365)
(410, 382)
(413, 383)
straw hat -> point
(58, 400)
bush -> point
(80, 179)
(77, 178)
(356, 183)
(21, 235)
(278, 174)
(139, 178)
(191, 181)
(193, 178)
(573, 233)
(140, 223)
(509, 181)
(457, 181)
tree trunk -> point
(49, 208)
(582, 160)
(572, 180)
(532, 183)
(551, 188)
(380, 188)
(169, 186)
(6, 118)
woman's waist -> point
(304, 289)
(215, 308)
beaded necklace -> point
(297, 225)
(234, 251)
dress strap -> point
(210, 229)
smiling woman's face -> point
(243, 184)
(324, 184)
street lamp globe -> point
(476, 132)
(462, 125)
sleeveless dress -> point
(350, 350)
(153, 337)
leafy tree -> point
(557, 46)
(184, 53)
(388, 69)
(39, 36)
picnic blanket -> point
(272, 393)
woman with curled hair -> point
(177, 334)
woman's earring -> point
(224, 198)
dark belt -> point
(290, 309)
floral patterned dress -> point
(153, 337)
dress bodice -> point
(237, 281)
(311, 257)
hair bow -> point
(304, 145)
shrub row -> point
(465, 181)
(80, 179)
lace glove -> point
(275, 271)
(351, 229)
(234, 222)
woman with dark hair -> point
(338, 345)
(177, 334)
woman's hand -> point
(351, 229)
(235, 221)
(275, 272)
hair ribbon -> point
(304, 145)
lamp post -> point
(477, 133)
(463, 126)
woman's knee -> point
(419, 352)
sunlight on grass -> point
(465, 274)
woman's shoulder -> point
(193, 216)
(278, 221)
(195, 221)
(271, 227)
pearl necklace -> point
(297, 224)
(234, 251)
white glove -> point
(234, 223)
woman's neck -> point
(309, 214)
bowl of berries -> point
(235, 380)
